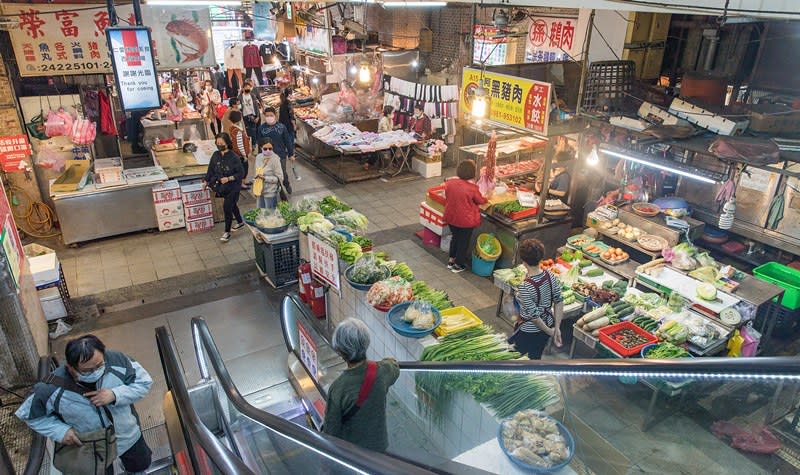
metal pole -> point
(585, 62)
(112, 13)
(137, 12)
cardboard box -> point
(200, 225)
(43, 264)
(171, 222)
(195, 194)
(74, 178)
(199, 211)
(170, 208)
(166, 191)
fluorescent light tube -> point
(660, 167)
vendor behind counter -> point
(560, 177)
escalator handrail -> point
(340, 451)
(222, 457)
(39, 442)
(760, 368)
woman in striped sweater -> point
(541, 307)
(241, 143)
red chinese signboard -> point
(324, 262)
(552, 39)
(14, 149)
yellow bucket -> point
(489, 240)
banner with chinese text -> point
(70, 39)
(518, 102)
(552, 39)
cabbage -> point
(706, 291)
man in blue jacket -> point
(281, 139)
(114, 382)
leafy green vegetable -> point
(330, 205)
(666, 350)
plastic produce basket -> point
(453, 311)
(278, 261)
(482, 238)
(784, 277)
(611, 343)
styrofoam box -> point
(170, 208)
(166, 191)
(167, 223)
(195, 194)
(200, 225)
(431, 219)
(52, 305)
(427, 170)
(199, 211)
(43, 264)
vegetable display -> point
(424, 293)
(666, 350)
(330, 204)
(349, 251)
(270, 220)
(401, 269)
(506, 394)
(509, 207)
(706, 291)
(351, 218)
(362, 241)
(534, 439)
(251, 215)
(388, 292)
(289, 213)
(628, 338)
(512, 277)
(420, 316)
(315, 222)
(367, 270)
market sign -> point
(324, 262)
(71, 39)
(14, 149)
(308, 351)
(552, 39)
(513, 101)
(134, 70)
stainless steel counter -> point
(105, 212)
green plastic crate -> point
(784, 277)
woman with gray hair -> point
(356, 409)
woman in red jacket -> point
(461, 212)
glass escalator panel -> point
(630, 420)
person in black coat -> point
(224, 176)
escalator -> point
(621, 414)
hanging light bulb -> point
(479, 104)
(593, 158)
(414, 64)
(363, 73)
(353, 70)
(315, 80)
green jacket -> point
(367, 427)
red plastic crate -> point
(437, 194)
(527, 213)
(605, 338)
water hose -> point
(39, 217)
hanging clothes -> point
(106, 119)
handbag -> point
(99, 447)
(220, 110)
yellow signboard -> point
(518, 102)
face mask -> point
(92, 377)
(222, 148)
(418, 115)
(247, 90)
(270, 120)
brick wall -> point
(397, 27)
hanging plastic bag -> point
(83, 132)
(59, 122)
(62, 328)
(751, 338)
(194, 135)
(735, 345)
(47, 157)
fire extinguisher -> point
(316, 298)
(304, 279)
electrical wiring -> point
(39, 217)
(705, 8)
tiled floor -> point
(139, 258)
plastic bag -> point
(48, 157)
(751, 340)
(83, 132)
(735, 345)
(59, 122)
(368, 270)
(62, 328)
(194, 135)
(683, 261)
(706, 260)
(704, 274)
(509, 305)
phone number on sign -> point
(105, 65)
